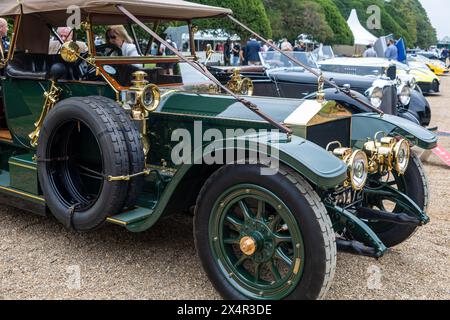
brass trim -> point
(120, 222)
(12, 47)
(297, 265)
(248, 245)
(22, 193)
(138, 60)
(21, 165)
(51, 97)
(146, 172)
(239, 85)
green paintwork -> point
(366, 125)
(24, 100)
(23, 173)
(361, 231)
(226, 229)
(386, 192)
(131, 216)
(226, 107)
(20, 196)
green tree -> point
(289, 18)
(402, 18)
(342, 33)
(250, 12)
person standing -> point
(4, 34)
(236, 49)
(252, 52)
(300, 47)
(227, 52)
(286, 45)
(445, 54)
(243, 55)
(391, 52)
(370, 52)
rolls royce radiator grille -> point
(323, 134)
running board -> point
(129, 217)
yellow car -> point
(437, 66)
(425, 78)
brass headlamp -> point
(388, 154)
(143, 97)
(357, 164)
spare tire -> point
(135, 147)
(79, 147)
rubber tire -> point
(135, 147)
(113, 148)
(302, 200)
(417, 187)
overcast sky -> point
(438, 11)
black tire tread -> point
(135, 147)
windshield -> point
(174, 75)
(273, 59)
(353, 69)
(402, 66)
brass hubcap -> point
(248, 245)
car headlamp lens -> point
(376, 97)
(405, 95)
(401, 156)
(150, 97)
(129, 97)
(358, 169)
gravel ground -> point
(39, 259)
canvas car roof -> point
(161, 9)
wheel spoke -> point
(283, 257)
(274, 270)
(236, 224)
(275, 221)
(241, 260)
(231, 241)
(245, 210)
(261, 210)
(281, 238)
(258, 272)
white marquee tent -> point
(361, 35)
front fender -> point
(420, 107)
(366, 125)
(320, 167)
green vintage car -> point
(276, 186)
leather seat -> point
(34, 66)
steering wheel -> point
(88, 72)
(108, 50)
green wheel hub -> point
(256, 242)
